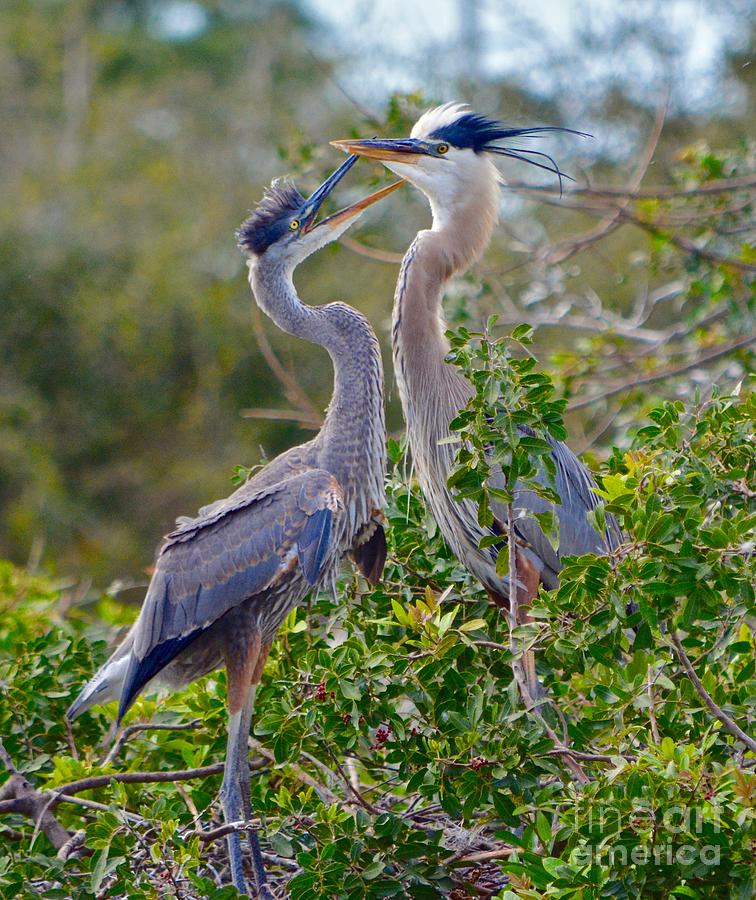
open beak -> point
(404, 150)
(316, 200)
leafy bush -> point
(400, 761)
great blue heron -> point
(448, 157)
(225, 580)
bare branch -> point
(732, 726)
(651, 706)
(304, 419)
(561, 252)
(385, 256)
(661, 192)
(661, 374)
(131, 730)
(292, 390)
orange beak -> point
(407, 151)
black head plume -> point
(271, 217)
(479, 133)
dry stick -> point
(131, 730)
(386, 256)
(565, 250)
(291, 388)
(722, 186)
(480, 856)
(664, 373)
(98, 781)
(652, 707)
(685, 244)
(304, 419)
(517, 669)
(732, 726)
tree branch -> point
(663, 373)
(732, 726)
(143, 726)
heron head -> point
(449, 150)
(284, 226)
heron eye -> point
(442, 148)
(294, 224)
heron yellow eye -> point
(294, 224)
(442, 148)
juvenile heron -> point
(225, 580)
(448, 157)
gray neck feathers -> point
(431, 390)
(351, 443)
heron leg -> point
(231, 793)
(235, 792)
(528, 582)
(258, 867)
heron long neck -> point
(459, 235)
(351, 443)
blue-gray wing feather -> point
(235, 549)
(576, 488)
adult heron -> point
(448, 157)
(225, 580)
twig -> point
(70, 740)
(321, 790)
(561, 252)
(285, 415)
(292, 390)
(492, 644)
(664, 373)
(72, 845)
(588, 757)
(386, 256)
(131, 730)
(357, 795)
(661, 192)
(686, 245)
(6, 759)
(732, 726)
(480, 856)
(98, 781)
(652, 707)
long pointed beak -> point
(318, 197)
(405, 150)
(349, 212)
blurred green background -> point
(137, 134)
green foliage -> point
(126, 353)
(408, 688)
(504, 430)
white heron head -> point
(448, 153)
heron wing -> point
(233, 550)
(576, 488)
(369, 551)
